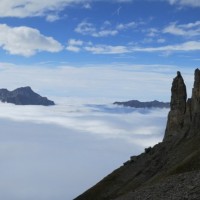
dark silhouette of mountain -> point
(24, 96)
(171, 169)
(148, 104)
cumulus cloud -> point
(74, 45)
(33, 8)
(87, 28)
(186, 30)
(26, 41)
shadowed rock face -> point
(178, 107)
(170, 169)
(24, 96)
(195, 104)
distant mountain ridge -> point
(147, 104)
(24, 96)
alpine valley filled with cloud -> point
(85, 55)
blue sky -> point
(81, 32)
(113, 50)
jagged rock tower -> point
(184, 115)
(178, 107)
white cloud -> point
(161, 40)
(73, 48)
(123, 49)
(191, 3)
(32, 8)
(126, 26)
(46, 152)
(187, 30)
(107, 49)
(87, 6)
(86, 28)
(187, 46)
(52, 18)
(74, 45)
(26, 41)
(152, 32)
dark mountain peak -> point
(178, 73)
(23, 90)
(147, 104)
(26, 88)
(24, 96)
(170, 169)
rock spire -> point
(178, 107)
(184, 115)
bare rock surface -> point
(24, 96)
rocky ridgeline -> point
(24, 96)
(170, 169)
(147, 104)
(184, 116)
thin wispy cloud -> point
(185, 30)
(125, 49)
(190, 3)
(87, 28)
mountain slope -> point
(169, 170)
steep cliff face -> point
(184, 117)
(195, 105)
(169, 170)
(178, 107)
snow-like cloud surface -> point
(60, 151)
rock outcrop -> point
(170, 169)
(178, 107)
(147, 104)
(24, 96)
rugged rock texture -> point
(169, 170)
(24, 96)
(178, 107)
(148, 104)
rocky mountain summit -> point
(170, 169)
(147, 104)
(24, 96)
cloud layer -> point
(111, 82)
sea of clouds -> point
(58, 152)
